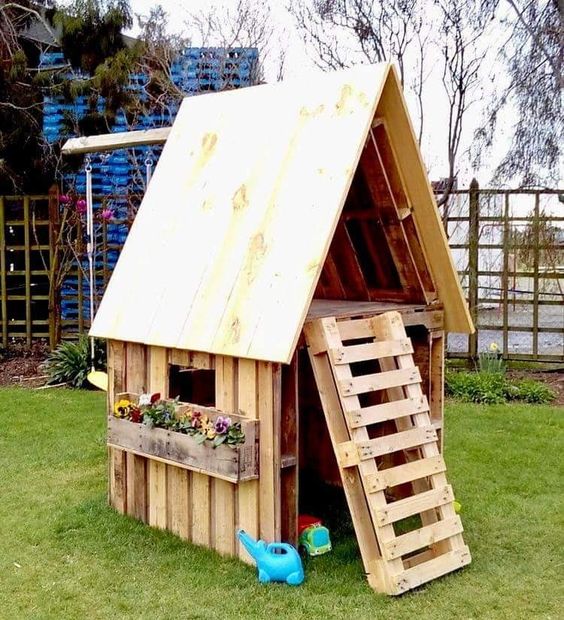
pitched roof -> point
(229, 242)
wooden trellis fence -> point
(508, 246)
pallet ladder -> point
(403, 542)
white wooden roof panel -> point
(231, 237)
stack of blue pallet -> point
(119, 176)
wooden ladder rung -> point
(405, 440)
(422, 537)
(370, 351)
(431, 569)
(379, 381)
(388, 411)
(408, 472)
(416, 504)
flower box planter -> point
(234, 464)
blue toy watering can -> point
(275, 561)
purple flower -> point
(107, 213)
(64, 199)
(222, 425)
(81, 206)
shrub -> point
(534, 392)
(70, 362)
(492, 388)
(477, 387)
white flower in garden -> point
(494, 348)
(144, 399)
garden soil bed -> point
(554, 379)
(19, 365)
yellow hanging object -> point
(98, 379)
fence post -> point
(3, 287)
(54, 289)
(473, 241)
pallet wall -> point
(199, 508)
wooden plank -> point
(136, 368)
(347, 265)
(157, 370)
(393, 109)
(230, 464)
(400, 474)
(27, 267)
(404, 440)
(157, 493)
(437, 382)
(289, 450)
(382, 195)
(178, 496)
(201, 505)
(3, 287)
(116, 371)
(390, 326)
(113, 141)
(379, 381)
(410, 506)
(236, 236)
(118, 479)
(370, 351)
(423, 537)
(137, 487)
(179, 357)
(352, 483)
(223, 507)
(405, 208)
(269, 481)
(365, 467)
(361, 328)
(536, 261)
(387, 411)
(248, 493)
(437, 567)
(224, 498)
(347, 309)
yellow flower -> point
(211, 433)
(121, 407)
(494, 348)
(206, 426)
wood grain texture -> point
(393, 109)
(224, 494)
(269, 380)
(225, 198)
(157, 494)
(248, 492)
(111, 141)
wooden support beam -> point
(113, 141)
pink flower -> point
(64, 199)
(81, 205)
(107, 213)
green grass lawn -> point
(65, 554)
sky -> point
(298, 63)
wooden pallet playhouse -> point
(288, 266)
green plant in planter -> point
(70, 362)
